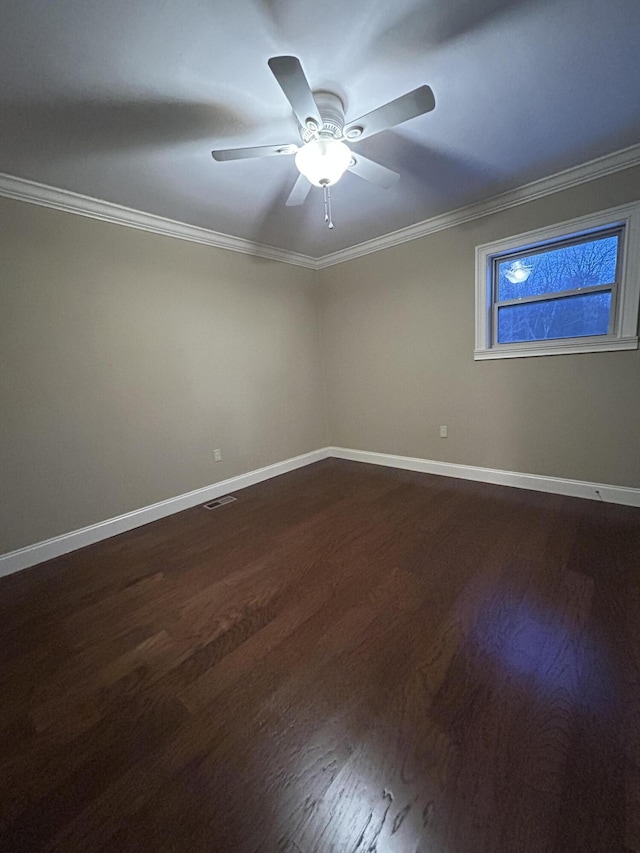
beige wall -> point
(398, 336)
(127, 357)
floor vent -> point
(227, 499)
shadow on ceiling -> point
(426, 171)
(409, 25)
(436, 23)
(277, 217)
(63, 128)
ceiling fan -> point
(324, 155)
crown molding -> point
(598, 168)
(94, 208)
(83, 205)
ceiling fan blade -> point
(299, 193)
(373, 172)
(291, 78)
(415, 103)
(259, 151)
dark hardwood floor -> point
(348, 658)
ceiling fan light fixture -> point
(323, 161)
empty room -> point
(320, 426)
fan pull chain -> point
(327, 205)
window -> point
(570, 288)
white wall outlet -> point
(217, 456)
(443, 431)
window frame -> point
(625, 291)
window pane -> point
(565, 268)
(566, 317)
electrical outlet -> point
(217, 456)
(443, 431)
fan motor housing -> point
(331, 111)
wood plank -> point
(347, 658)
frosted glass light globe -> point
(323, 161)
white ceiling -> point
(124, 101)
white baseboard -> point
(50, 548)
(38, 553)
(555, 485)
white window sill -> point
(563, 347)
